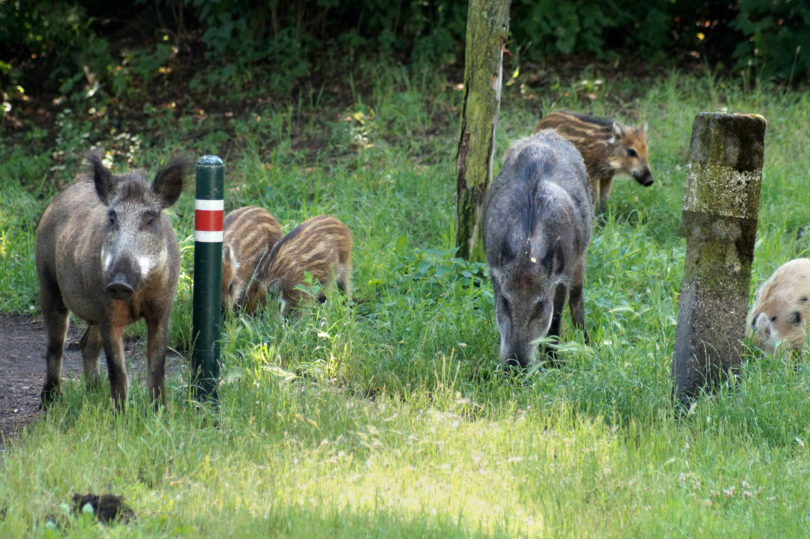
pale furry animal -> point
(781, 309)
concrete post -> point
(719, 222)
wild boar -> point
(607, 147)
(320, 246)
(250, 233)
(106, 251)
(781, 310)
(537, 223)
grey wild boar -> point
(106, 252)
(607, 147)
(781, 310)
(537, 221)
(250, 233)
(321, 246)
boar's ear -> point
(506, 254)
(618, 131)
(762, 323)
(102, 177)
(643, 129)
(554, 260)
(559, 262)
(169, 181)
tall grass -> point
(389, 415)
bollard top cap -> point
(210, 161)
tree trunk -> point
(487, 32)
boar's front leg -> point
(554, 330)
(90, 345)
(576, 300)
(559, 304)
(55, 314)
(156, 343)
(605, 186)
(113, 342)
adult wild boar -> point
(538, 215)
(106, 252)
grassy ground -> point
(390, 416)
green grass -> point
(390, 416)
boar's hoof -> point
(50, 392)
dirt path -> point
(22, 368)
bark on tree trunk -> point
(487, 32)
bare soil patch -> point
(22, 367)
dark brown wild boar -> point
(537, 220)
(250, 233)
(607, 147)
(321, 246)
(106, 252)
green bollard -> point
(207, 311)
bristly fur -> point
(320, 246)
(537, 221)
(250, 233)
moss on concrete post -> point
(719, 222)
(487, 32)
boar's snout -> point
(516, 353)
(119, 287)
(514, 362)
(122, 279)
(645, 177)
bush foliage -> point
(61, 42)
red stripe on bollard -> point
(208, 221)
(208, 218)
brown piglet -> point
(250, 233)
(320, 246)
(607, 147)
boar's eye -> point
(539, 308)
(148, 219)
(112, 218)
(631, 153)
(795, 318)
(504, 304)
